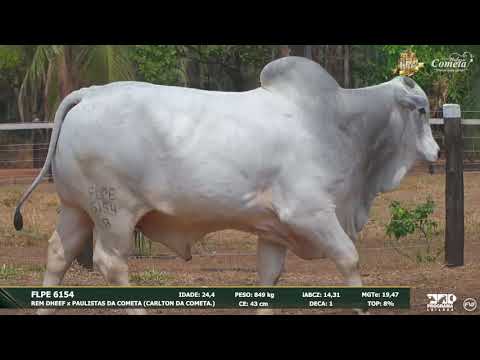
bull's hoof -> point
(361, 312)
(137, 312)
(265, 312)
(45, 311)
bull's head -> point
(408, 136)
(414, 111)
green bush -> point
(405, 222)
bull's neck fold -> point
(369, 115)
(367, 110)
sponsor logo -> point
(408, 64)
(454, 63)
(441, 302)
(470, 304)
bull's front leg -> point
(320, 228)
(270, 264)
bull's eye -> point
(422, 111)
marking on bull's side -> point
(103, 200)
(106, 223)
(103, 203)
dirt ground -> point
(228, 257)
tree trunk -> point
(297, 50)
(308, 52)
(236, 75)
(192, 69)
(284, 51)
(346, 66)
(48, 83)
(326, 57)
(18, 110)
(66, 76)
(317, 53)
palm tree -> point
(56, 70)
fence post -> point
(454, 195)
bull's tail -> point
(66, 105)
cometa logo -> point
(455, 62)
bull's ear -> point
(413, 102)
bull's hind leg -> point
(270, 263)
(73, 230)
(113, 243)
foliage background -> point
(34, 78)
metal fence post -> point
(454, 195)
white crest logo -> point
(455, 62)
(441, 302)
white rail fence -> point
(471, 140)
(23, 148)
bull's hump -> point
(305, 77)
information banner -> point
(204, 297)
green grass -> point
(10, 197)
(143, 245)
(33, 236)
(35, 268)
(39, 216)
(151, 276)
(8, 272)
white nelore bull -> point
(297, 161)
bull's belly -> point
(179, 227)
(180, 233)
(178, 219)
